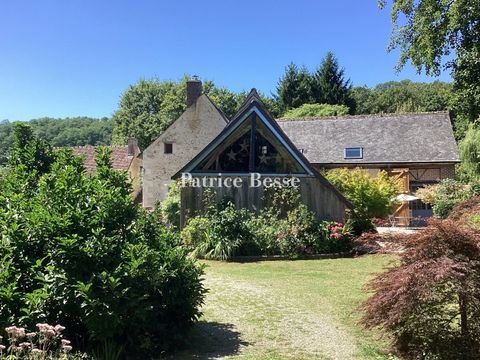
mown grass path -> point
(286, 310)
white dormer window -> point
(353, 153)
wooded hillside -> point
(76, 131)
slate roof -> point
(120, 158)
(385, 138)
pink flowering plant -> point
(338, 235)
(45, 343)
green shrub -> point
(475, 221)
(443, 206)
(446, 194)
(370, 195)
(469, 149)
(220, 234)
(76, 250)
(170, 207)
(449, 193)
(317, 110)
(360, 225)
(338, 236)
(284, 227)
(298, 232)
(265, 231)
(195, 232)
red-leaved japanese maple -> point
(430, 301)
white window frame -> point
(352, 148)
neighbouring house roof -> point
(120, 158)
(385, 138)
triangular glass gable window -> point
(237, 155)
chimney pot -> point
(194, 90)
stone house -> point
(179, 143)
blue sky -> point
(75, 57)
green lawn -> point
(286, 310)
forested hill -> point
(75, 131)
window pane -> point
(271, 155)
(168, 148)
(234, 155)
(355, 153)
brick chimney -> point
(194, 90)
(132, 148)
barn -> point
(250, 154)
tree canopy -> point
(327, 85)
(76, 131)
(469, 149)
(148, 107)
(294, 88)
(403, 96)
(437, 35)
(307, 110)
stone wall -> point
(189, 134)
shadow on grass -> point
(212, 340)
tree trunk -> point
(462, 302)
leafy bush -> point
(220, 234)
(284, 227)
(475, 221)
(449, 192)
(430, 302)
(226, 233)
(195, 232)
(170, 207)
(428, 194)
(307, 110)
(445, 195)
(469, 148)
(76, 250)
(371, 196)
(360, 225)
(297, 232)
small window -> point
(168, 148)
(353, 153)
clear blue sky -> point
(75, 57)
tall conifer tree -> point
(330, 85)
